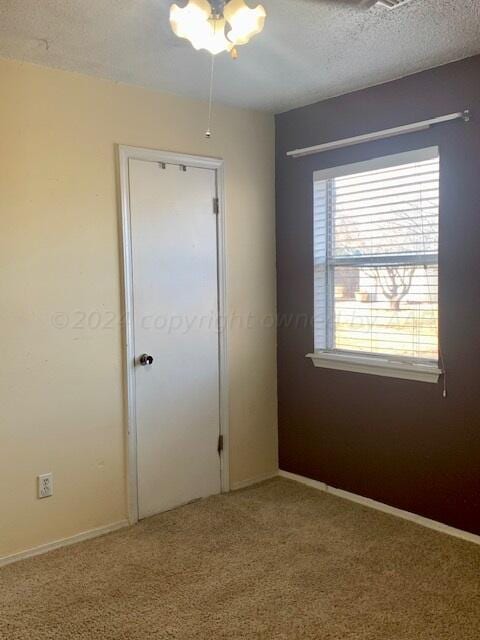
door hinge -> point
(220, 444)
(216, 206)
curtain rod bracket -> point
(466, 115)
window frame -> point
(404, 367)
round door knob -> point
(145, 360)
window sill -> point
(376, 366)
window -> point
(376, 266)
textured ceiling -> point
(309, 50)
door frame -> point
(126, 153)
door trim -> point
(126, 153)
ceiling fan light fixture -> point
(205, 27)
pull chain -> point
(208, 132)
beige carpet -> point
(275, 561)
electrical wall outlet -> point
(45, 485)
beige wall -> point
(61, 389)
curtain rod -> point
(378, 135)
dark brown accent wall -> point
(395, 441)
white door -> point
(175, 301)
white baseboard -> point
(380, 506)
(247, 483)
(64, 542)
(320, 486)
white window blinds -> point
(376, 257)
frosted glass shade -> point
(245, 22)
(196, 23)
